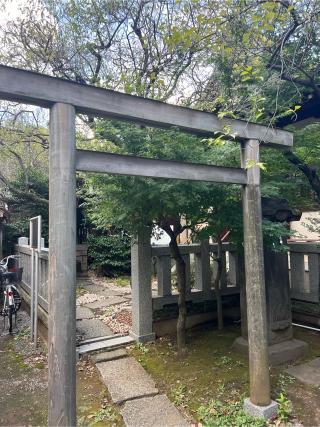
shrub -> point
(109, 252)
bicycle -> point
(9, 274)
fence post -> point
(259, 402)
(62, 268)
(141, 287)
(202, 268)
(164, 275)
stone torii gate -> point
(65, 99)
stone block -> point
(143, 338)
(265, 412)
(106, 356)
(23, 241)
(106, 344)
(283, 352)
(126, 380)
(155, 411)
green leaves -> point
(109, 251)
(129, 202)
(251, 163)
(231, 413)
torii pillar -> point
(259, 403)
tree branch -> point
(309, 172)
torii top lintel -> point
(42, 90)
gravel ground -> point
(118, 316)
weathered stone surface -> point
(308, 373)
(101, 290)
(84, 313)
(278, 353)
(108, 344)
(141, 287)
(91, 328)
(106, 356)
(126, 379)
(265, 412)
(155, 411)
(287, 351)
(106, 302)
(278, 296)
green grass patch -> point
(211, 370)
(219, 414)
(122, 281)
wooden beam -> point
(38, 89)
(118, 164)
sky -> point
(10, 9)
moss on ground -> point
(212, 371)
(122, 281)
(94, 405)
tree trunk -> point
(309, 172)
(181, 279)
(217, 286)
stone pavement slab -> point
(102, 290)
(91, 328)
(126, 379)
(308, 373)
(156, 411)
(106, 302)
(84, 313)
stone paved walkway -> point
(130, 385)
(104, 309)
(100, 309)
(308, 373)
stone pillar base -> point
(282, 352)
(143, 338)
(265, 412)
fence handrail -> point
(192, 248)
(43, 254)
(306, 247)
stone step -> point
(97, 339)
(108, 355)
(108, 344)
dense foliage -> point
(109, 252)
